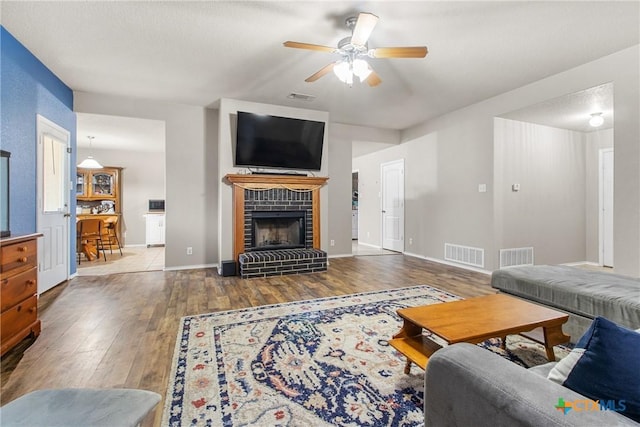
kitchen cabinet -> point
(154, 229)
(99, 195)
(19, 290)
(98, 184)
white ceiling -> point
(571, 111)
(120, 133)
(198, 52)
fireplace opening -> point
(277, 230)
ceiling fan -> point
(353, 51)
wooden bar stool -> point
(89, 232)
(109, 233)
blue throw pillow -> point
(604, 366)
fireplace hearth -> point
(277, 230)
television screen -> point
(278, 142)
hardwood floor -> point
(120, 330)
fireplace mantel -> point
(242, 182)
(270, 181)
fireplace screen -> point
(278, 230)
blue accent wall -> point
(28, 88)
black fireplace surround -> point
(272, 230)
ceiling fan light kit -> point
(354, 49)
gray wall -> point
(548, 212)
(191, 193)
(343, 140)
(462, 156)
(226, 137)
(434, 212)
(459, 147)
(142, 178)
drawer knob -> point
(22, 259)
(31, 282)
(22, 249)
(32, 310)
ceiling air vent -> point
(301, 96)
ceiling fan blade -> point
(364, 26)
(374, 79)
(324, 70)
(399, 52)
(309, 46)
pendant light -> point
(90, 162)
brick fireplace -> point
(273, 230)
(277, 224)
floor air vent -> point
(464, 255)
(516, 256)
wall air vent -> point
(516, 256)
(464, 255)
(301, 96)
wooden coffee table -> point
(475, 320)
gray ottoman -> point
(79, 407)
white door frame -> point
(357, 210)
(398, 245)
(48, 276)
(604, 245)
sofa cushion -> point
(604, 365)
(580, 291)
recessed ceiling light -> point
(596, 120)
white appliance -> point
(155, 229)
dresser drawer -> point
(19, 317)
(19, 256)
(17, 288)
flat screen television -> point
(278, 142)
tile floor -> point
(133, 259)
(358, 249)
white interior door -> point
(53, 204)
(392, 183)
(606, 207)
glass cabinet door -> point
(81, 184)
(103, 184)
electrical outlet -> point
(410, 241)
(189, 250)
(333, 242)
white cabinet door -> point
(155, 229)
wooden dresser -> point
(18, 290)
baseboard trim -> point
(190, 267)
(340, 256)
(452, 264)
(370, 245)
(573, 264)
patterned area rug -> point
(321, 362)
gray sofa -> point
(583, 294)
(466, 385)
